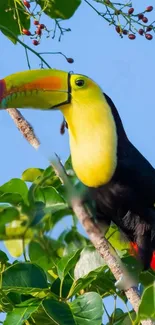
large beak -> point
(44, 89)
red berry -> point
(35, 42)
(148, 36)
(141, 31)
(125, 32)
(130, 11)
(69, 60)
(132, 36)
(26, 4)
(144, 19)
(38, 31)
(36, 22)
(149, 8)
(26, 32)
(149, 28)
(41, 26)
(140, 16)
(117, 29)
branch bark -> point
(92, 229)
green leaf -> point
(15, 185)
(114, 237)
(59, 312)
(3, 257)
(31, 174)
(87, 309)
(45, 258)
(41, 318)
(7, 215)
(67, 262)
(89, 260)
(24, 278)
(51, 198)
(64, 287)
(97, 280)
(147, 278)
(22, 312)
(12, 17)
(59, 215)
(147, 305)
(121, 318)
(12, 198)
(58, 8)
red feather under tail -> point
(134, 251)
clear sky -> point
(123, 68)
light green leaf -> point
(15, 185)
(87, 309)
(89, 260)
(30, 174)
(58, 8)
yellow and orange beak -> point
(44, 89)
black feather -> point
(128, 199)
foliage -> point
(62, 280)
(26, 17)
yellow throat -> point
(92, 131)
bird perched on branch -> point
(121, 181)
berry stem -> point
(24, 45)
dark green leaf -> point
(67, 262)
(3, 257)
(58, 8)
(30, 174)
(147, 306)
(59, 312)
(147, 278)
(22, 312)
(7, 215)
(41, 318)
(24, 278)
(12, 198)
(66, 286)
(13, 18)
(87, 309)
(15, 185)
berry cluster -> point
(36, 37)
(131, 20)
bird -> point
(119, 179)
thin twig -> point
(24, 45)
(92, 229)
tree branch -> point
(92, 229)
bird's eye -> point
(79, 82)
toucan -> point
(119, 179)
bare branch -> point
(24, 127)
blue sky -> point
(124, 69)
